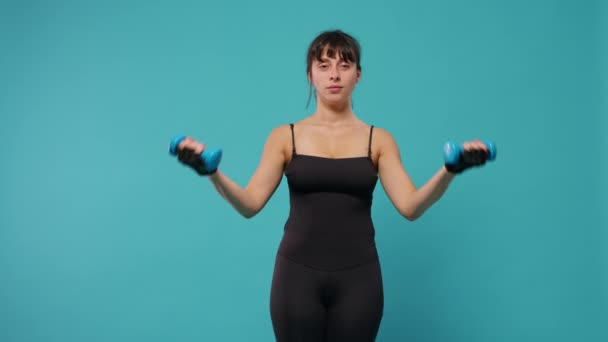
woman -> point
(327, 282)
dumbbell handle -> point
(452, 152)
(210, 156)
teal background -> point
(104, 237)
(603, 118)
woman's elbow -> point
(248, 213)
(410, 214)
(411, 217)
(251, 211)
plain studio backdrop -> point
(105, 237)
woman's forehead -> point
(329, 53)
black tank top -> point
(329, 225)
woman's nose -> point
(334, 74)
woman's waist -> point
(329, 219)
(328, 252)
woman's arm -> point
(409, 201)
(250, 200)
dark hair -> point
(335, 41)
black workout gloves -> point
(188, 157)
(468, 159)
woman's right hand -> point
(189, 153)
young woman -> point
(327, 282)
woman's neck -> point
(334, 114)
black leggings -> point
(310, 305)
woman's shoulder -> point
(280, 131)
(382, 133)
(383, 141)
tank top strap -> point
(369, 148)
(293, 140)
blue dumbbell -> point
(211, 157)
(452, 152)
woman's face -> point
(333, 78)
